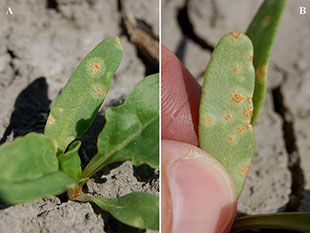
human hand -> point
(197, 194)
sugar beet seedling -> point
(233, 93)
(36, 165)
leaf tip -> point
(236, 35)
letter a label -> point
(9, 11)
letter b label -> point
(302, 10)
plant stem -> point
(78, 195)
(297, 221)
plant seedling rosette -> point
(233, 93)
(38, 165)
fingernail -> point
(203, 198)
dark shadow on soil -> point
(306, 207)
(4, 205)
(188, 30)
(63, 197)
(150, 67)
(111, 225)
(52, 4)
(294, 163)
(181, 49)
(98, 177)
(145, 173)
(240, 214)
(90, 138)
(30, 110)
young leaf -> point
(35, 188)
(262, 31)
(131, 131)
(70, 162)
(225, 129)
(81, 98)
(285, 221)
(29, 169)
(135, 209)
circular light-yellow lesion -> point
(95, 66)
(119, 43)
(208, 120)
(237, 68)
(231, 138)
(261, 74)
(97, 91)
(50, 120)
(266, 21)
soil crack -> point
(215, 13)
(140, 34)
(11, 64)
(52, 4)
(298, 180)
(187, 29)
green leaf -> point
(131, 131)
(70, 162)
(81, 98)
(29, 169)
(262, 31)
(285, 221)
(225, 129)
(35, 188)
(135, 209)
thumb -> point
(180, 98)
(197, 195)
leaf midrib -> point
(28, 179)
(117, 148)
